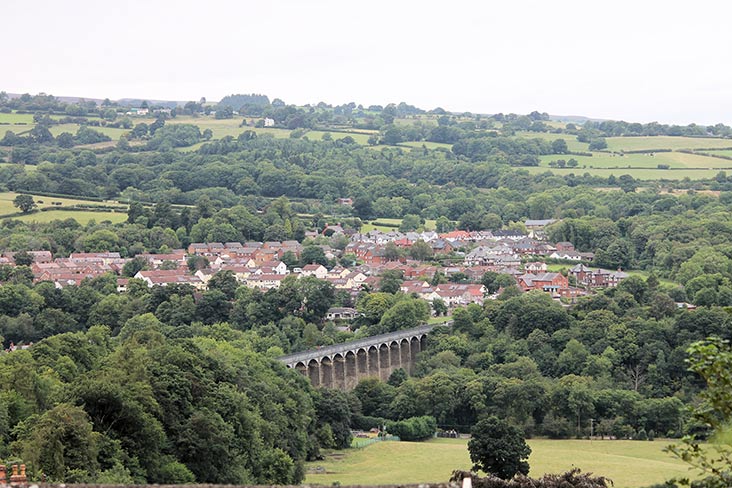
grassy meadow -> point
(665, 142)
(572, 143)
(73, 128)
(14, 118)
(427, 144)
(630, 464)
(637, 173)
(675, 160)
(81, 216)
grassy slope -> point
(628, 463)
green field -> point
(721, 152)
(640, 174)
(427, 144)
(629, 464)
(73, 129)
(220, 127)
(230, 127)
(317, 135)
(572, 143)
(14, 118)
(664, 142)
(81, 216)
(672, 159)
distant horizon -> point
(635, 61)
(586, 117)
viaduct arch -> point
(343, 365)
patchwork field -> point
(630, 464)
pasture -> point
(572, 143)
(721, 152)
(73, 129)
(427, 144)
(317, 135)
(674, 160)
(665, 142)
(15, 118)
(630, 464)
(81, 216)
(637, 173)
(219, 127)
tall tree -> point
(498, 448)
(24, 202)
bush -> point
(573, 478)
(366, 422)
(413, 429)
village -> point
(461, 258)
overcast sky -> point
(669, 61)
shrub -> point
(570, 479)
(413, 429)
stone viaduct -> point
(342, 366)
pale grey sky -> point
(635, 60)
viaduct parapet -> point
(342, 366)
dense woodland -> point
(164, 385)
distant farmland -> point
(617, 160)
